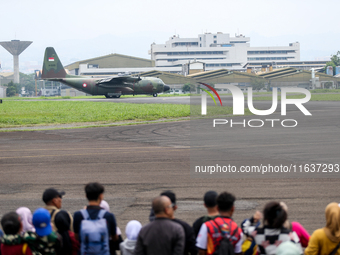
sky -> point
(85, 29)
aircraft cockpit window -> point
(160, 82)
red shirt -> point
(15, 249)
(228, 228)
(75, 243)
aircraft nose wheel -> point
(154, 95)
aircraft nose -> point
(166, 88)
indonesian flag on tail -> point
(51, 59)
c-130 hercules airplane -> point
(110, 87)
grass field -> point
(35, 113)
(30, 113)
(16, 113)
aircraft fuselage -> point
(148, 85)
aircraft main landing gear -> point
(108, 96)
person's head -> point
(26, 219)
(11, 223)
(62, 221)
(286, 224)
(171, 196)
(210, 199)
(94, 191)
(162, 207)
(132, 229)
(332, 212)
(225, 203)
(274, 215)
(42, 222)
(53, 197)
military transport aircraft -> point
(110, 87)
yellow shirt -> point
(319, 243)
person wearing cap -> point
(211, 206)
(44, 240)
(53, 200)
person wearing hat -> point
(53, 200)
(44, 240)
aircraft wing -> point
(117, 80)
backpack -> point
(225, 247)
(94, 235)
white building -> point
(219, 51)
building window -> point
(194, 53)
(271, 52)
(273, 58)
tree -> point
(328, 85)
(257, 84)
(335, 61)
(188, 87)
(12, 89)
(27, 81)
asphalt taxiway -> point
(135, 163)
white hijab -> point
(26, 219)
(105, 205)
(132, 229)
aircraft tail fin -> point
(52, 67)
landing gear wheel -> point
(117, 96)
(154, 95)
(107, 96)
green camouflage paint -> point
(112, 86)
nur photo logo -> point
(239, 104)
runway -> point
(136, 163)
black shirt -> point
(190, 241)
(198, 223)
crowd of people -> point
(93, 230)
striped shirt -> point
(268, 239)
